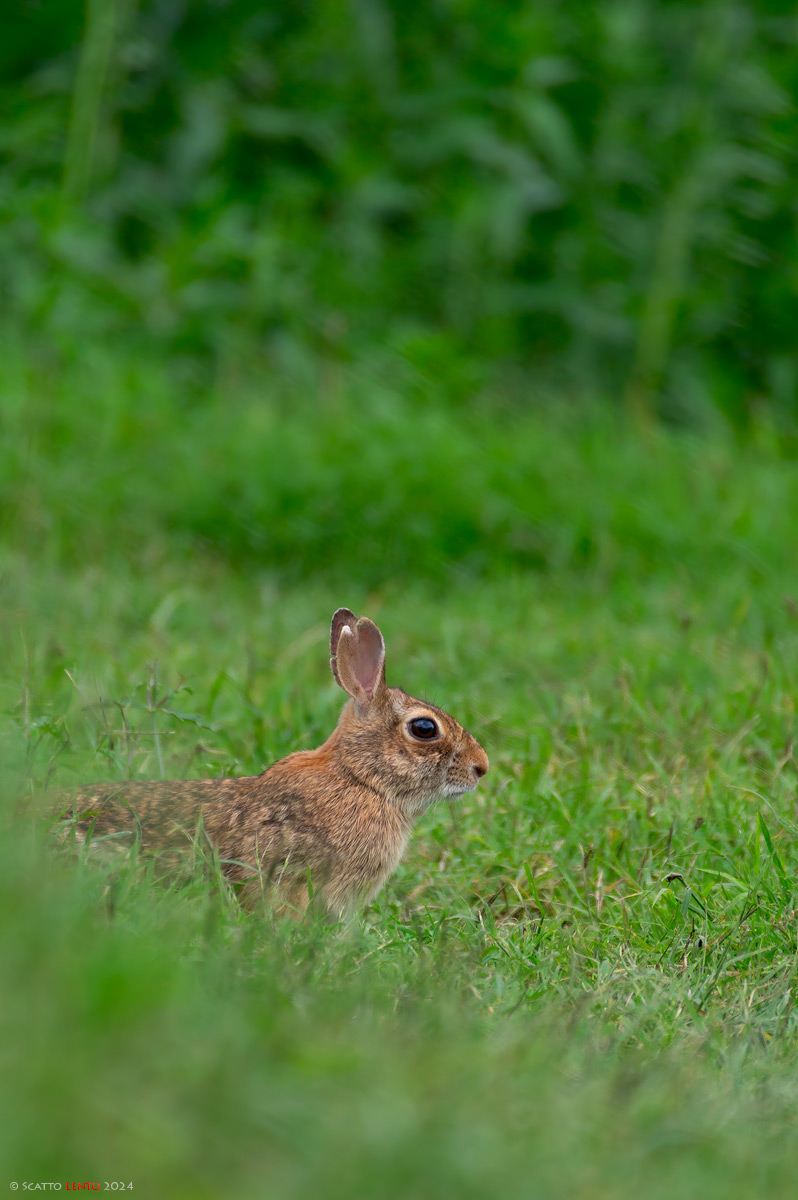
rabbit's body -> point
(337, 818)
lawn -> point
(581, 981)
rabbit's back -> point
(301, 827)
(161, 814)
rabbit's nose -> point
(480, 765)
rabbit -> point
(331, 823)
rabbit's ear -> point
(360, 661)
(341, 618)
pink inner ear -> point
(366, 672)
(369, 657)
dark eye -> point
(423, 727)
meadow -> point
(581, 982)
(476, 319)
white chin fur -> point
(447, 792)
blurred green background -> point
(597, 199)
(479, 319)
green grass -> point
(581, 981)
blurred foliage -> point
(603, 195)
(382, 482)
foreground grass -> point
(581, 982)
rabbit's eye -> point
(423, 728)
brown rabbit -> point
(337, 818)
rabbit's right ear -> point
(359, 661)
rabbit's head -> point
(407, 750)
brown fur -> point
(340, 815)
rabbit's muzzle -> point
(467, 767)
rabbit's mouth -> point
(456, 791)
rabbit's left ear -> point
(360, 661)
(341, 618)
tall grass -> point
(372, 482)
(581, 981)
